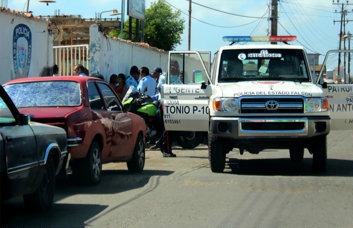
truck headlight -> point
(226, 104)
(316, 105)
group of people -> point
(147, 83)
(144, 82)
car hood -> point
(270, 88)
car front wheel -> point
(42, 198)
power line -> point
(221, 11)
(211, 24)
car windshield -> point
(45, 94)
(263, 64)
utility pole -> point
(274, 18)
(189, 34)
(343, 36)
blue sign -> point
(22, 50)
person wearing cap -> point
(160, 79)
(164, 143)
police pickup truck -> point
(256, 97)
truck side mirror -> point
(324, 85)
(203, 85)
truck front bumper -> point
(266, 127)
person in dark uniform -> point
(164, 143)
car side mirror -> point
(24, 119)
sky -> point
(316, 23)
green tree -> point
(162, 27)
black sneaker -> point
(165, 154)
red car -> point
(98, 128)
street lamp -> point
(114, 13)
(47, 1)
(44, 1)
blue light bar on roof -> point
(235, 39)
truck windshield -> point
(263, 64)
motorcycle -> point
(147, 108)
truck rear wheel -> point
(216, 154)
(319, 150)
(189, 139)
(296, 154)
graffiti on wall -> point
(22, 50)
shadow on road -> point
(285, 167)
(14, 214)
(61, 215)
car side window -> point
(111, 100)
(6, 116)
(95, 101)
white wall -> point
(108, 56)
(34, 46)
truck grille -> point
(272, 105)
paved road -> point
(264, 190)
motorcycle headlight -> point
(226, 104)
(316, 105)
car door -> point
(184, 99)
(339, 89)
(19, 144)
(119, 121)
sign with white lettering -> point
(341, 105)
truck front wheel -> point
(296, 154)
(319, 150)
(216, 154)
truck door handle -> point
(173, 96)
(202, 98)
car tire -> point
(319, 150)
(88, 171)
(43, 197)
(216, 154)
(137, 161)
(296, 154)
(189, 139)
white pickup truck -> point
(256, 97)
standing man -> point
(79, 70)
(147, 85)
(166, 139)
(133, 78)
(160, 79)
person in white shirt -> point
(147, 84)
(132, 79)
(161, 79)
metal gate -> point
(66, 57)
